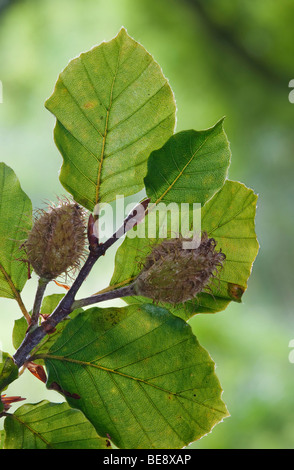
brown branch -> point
(37, 333)
(42, 284)
(125, 291)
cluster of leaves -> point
(135, 376)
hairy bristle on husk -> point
(56, 243)
(174, 275)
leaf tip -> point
(220, 123)
(123, 30)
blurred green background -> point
(222, 57)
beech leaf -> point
(48, 425)
(15, 222)
(113, 107)
(142, 377)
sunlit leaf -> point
(142, 377)
(113, 107)
(229, 217)
(15, 222)
(190, 167)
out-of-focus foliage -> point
(222, 58)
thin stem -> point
(23, 308)
(125, 291)
(42, 284)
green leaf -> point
(19, 331)
(142, 377)
(50, 303)
(229, 217)
(8, 370)
(190, 167)
(2, 436)
(48, 425)
(113, 107)
(15, 222)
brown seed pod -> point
(174, 275)
(56, 243)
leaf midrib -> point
(106, 129)
(180, 173)
(32, 430)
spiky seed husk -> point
(56, 243)
(174, 275)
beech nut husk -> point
(56, 243)
(174, 275)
